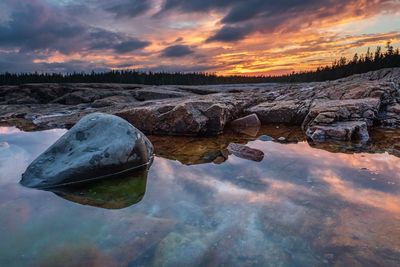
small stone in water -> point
(219, 160)
(245, 152)
(281, 139)
(265, 138)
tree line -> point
(340, 68)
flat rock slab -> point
(287, 112)
(371, 97)
(206, 115)
(158, 93)
(99, 145)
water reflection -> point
(301, 206)
(382, 141)
(115, 193)
(201, 150)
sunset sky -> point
(222, 36)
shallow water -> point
(303, 205)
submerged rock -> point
(178, 249)
(98, 146)
(245, 152)
(265, 138)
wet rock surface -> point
(349, 130)
(373, 98)
(99, 145)
(245, 152)
(250, 121)
(248, 125)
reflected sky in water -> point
(300, 206)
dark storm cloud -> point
(120, 43)
(24, 62)
(177, 51)
(34, 26)
(34, 29)
(196, 5)
(244, 17)
(15, 62)
(230, 34)
(180, 68)
(245, 10)
(240, 10)
(31, 26)
(131, 45)
(129, 8)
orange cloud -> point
(252, 37)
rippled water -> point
(303, 205)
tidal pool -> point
(335, 204)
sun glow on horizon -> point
(187, 36)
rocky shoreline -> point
(344, 109)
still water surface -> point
(303, 205)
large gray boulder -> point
(98, 146)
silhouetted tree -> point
(338, 69)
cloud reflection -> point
(312, 204)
